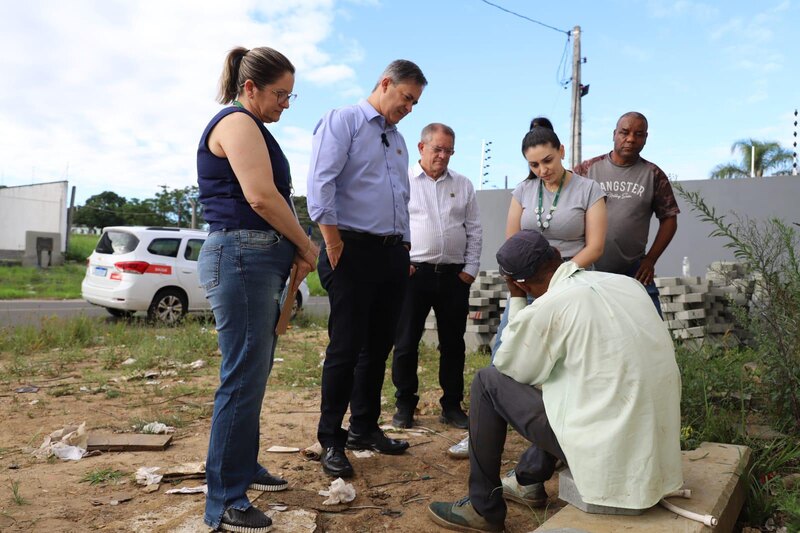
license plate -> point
(100, 271)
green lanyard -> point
(546, 224)
(238, 104)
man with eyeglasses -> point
(446, 240)
(358, 194)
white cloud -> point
(700, 10)
(120, 91)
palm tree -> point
(769, 156)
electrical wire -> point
(501, 8)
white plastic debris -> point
(128, 361)
(200, 363)
(189, 490)
(283, 449)
(146, 475)
(68, 443)
(157, 428)
(363, 454)
(339, 492)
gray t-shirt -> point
(635, 193)
(567, 231)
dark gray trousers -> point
(497, 401)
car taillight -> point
(132, 267)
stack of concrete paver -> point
(697, 308)
(487, 299)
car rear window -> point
(116, 243)
(165, 247)
(193, 249)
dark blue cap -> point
(523, 253)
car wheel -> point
(169, 306)
(119, 313)
(298, 304)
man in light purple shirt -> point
(358, 194)
(446, 240)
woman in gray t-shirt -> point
(565, 207)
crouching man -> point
(609, 404)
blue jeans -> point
(243, 273)
(652, 290)
(502, 326)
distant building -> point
(33, 223)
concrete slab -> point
(716, 475)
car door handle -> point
(186, 271)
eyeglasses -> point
(284, 97)
(439, 150)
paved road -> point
(31, 312)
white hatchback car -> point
(137, 268)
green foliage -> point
(770, 251)
(102, 475)
(16, 495)
(169, 207)
(80, 247)
(769, 157)
(314, 285)
(58, 282)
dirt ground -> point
(392, 491)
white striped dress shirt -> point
(445, 222)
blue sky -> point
(114, 95)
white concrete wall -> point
(40, 207)
(756, 198)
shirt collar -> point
(567, 269)
(371, 113)
(418, 172)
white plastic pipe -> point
(706, 519)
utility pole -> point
(577, 92)
(193, 203)
(794, 144)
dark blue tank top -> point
(224, 204)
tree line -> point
(168, 208)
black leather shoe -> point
(377, 441)
(335, 462)
(403, 418)
(250, 521)
(455, 417)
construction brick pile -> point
(703, 308)
(487, 300)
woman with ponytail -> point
(254, 239)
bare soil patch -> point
(392, 491)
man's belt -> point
(383, 240)
(443, 268)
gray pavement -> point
(31, 312)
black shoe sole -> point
(243, 529)
(268, 488)
(372, 448)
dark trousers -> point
(366, 293)
(449, 298)
(496, 401)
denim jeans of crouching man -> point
(243, 273)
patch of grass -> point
(102, 475)
(81, 246)
(314, 285)
(58, 282)
(16, 495)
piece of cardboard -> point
(128, 442)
